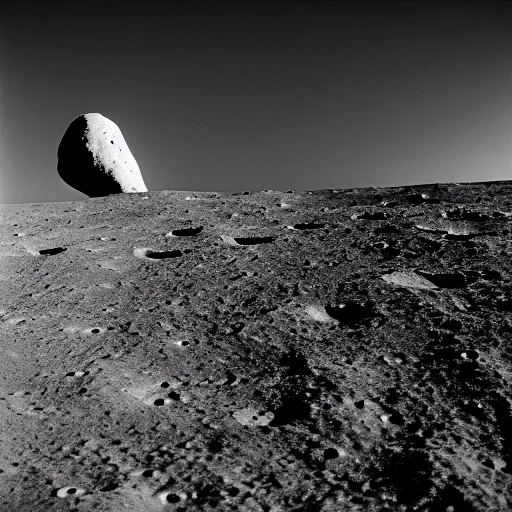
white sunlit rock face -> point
(94, 158)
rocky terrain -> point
(264, 351)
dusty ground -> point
(263, 351)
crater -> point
(94, 330)
(253, 240)
(182, 343)
(310, 225)
(148, 253)
(466, 214)
(68, 491)
(109, 487)
(172, 497)
(371, 216)
(52, 252)
(459, 236)
(445, 280)
(162, 255)
(351, 314)
(185, 231)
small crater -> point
(458, 236)
(464, 214)
(231, 378)
(109, 487)
(331, 453)
(310, 225)
(429, 229)
(233, 491)
(162, 255)
(371, 216)
(93, 330)
(451, 325)
(392, 396)
(504, 303)
(491, 275)
(249, 301)
(215, 446)
(388, 253)
(75, 374)
(187, 231)
(415, 199)
(253, 240)
(172, 498)
(66, 492)
(51, 252)
(295, 363)
(445, 280)
(488, 463)
(351, 313)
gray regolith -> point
(268, 351)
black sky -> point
(260, 95)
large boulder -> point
(94, 158)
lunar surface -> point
(94, 158)
(271, 351)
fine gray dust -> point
(263, 351)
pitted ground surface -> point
(258, 351)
